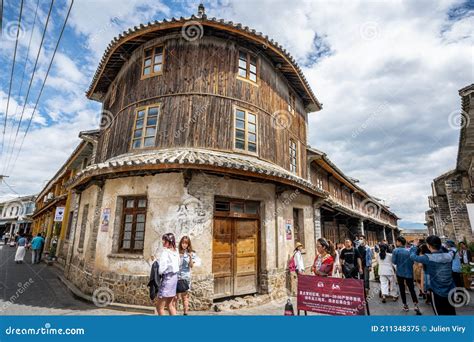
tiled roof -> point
(221, 24)
(193, 157)
(357, 213)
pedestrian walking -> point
(324, 262)
(386, 274)
(168, 268)
(456, 265)
(36, 246)
(366, 259)
(404, 270)
(20, 249)
(6, 237)
(439, 269)
(337, 269)
(464, 253)
(350, 261)
(187, 260)
(296, 266)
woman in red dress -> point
(324, 261)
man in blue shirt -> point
(439, 270)
(36, 246)
(401, 259)
(366, 258)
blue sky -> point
(387, 73)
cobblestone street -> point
(27, 289)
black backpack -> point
(155, 280)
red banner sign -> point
(331, 296)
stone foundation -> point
(133, 289)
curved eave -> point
(122, 46)
(192, 159)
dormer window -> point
(153, 61)
(247, 66)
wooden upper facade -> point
(344, 193)
(222, 88)
(226, 91)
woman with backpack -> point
(386, 274)
(187, 260)
(168, 268)
(324, 261)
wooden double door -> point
(235, 256)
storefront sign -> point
(104, 220)
(59, 214)
(331, 296)
(288, 230)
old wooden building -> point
(54, 213)
(204, 133)
(451, 213)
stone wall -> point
(184, 206)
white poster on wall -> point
(59, 214)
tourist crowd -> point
(434, 267)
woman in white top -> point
(387, 274)
(299, 258)
(168, 268)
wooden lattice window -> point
(247, 66)
(153, 61)
(293, 156)
(245, 131)
(144, 130)
(132, 234)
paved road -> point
(27, 289)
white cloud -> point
(388, 83)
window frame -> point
(291, 102)
(145, 127)
(152, 65)
(246, 131)
(134, 212)
(294, 168)
(249, 55)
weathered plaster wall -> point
(181, 210)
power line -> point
(1, 17)
(44, 82)
(24, 67)
(11, 74)
(9, 187)
(29, 86)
